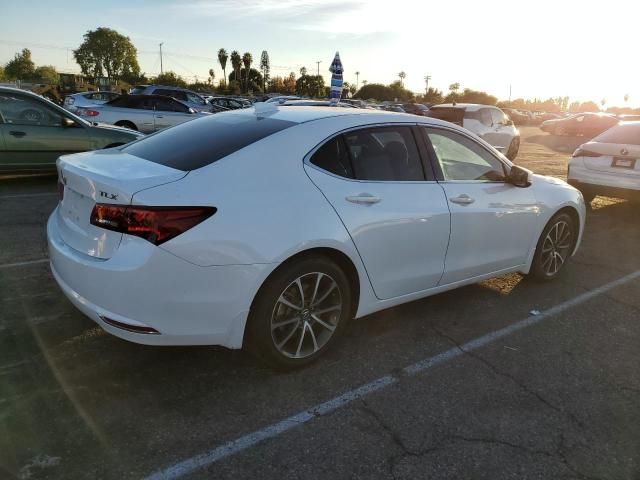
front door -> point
(34, 133)
(399, 222)
(493, 223)
(168, 112)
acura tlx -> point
(271, 227)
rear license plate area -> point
(622, 162)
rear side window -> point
(384, 154)
(198, 143)
(626, 134)
(333, 157)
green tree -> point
(265, 66)
(375, 91)
(46, 74)
(303, 71)
(247, 60)
(212, 76)
(21, 67)
(352, 90)
(310, 85)
(255, 79)
(290, 83)
(433, 96)
(106, 52)
(236, 63)
(474, 96)
(222, 60)
(2, 73)
(170, 78)
(276, 84)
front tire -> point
(554, 247)
(299, 312)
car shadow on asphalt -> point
(560, 144)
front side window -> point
(169, 105)
(498, 117)
(22, 110)
(193, 98)
(384, 154)
(485, 117)
(461, 159)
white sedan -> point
(609, 164)
(271, 227)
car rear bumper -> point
(602, 183)
(142, 286)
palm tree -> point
(402, 76)
(357, 81)
(364, 82)
(247, 59)
(303, 71)
(222, 59)
(212, 75)
(236, 63)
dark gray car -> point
(191, 99)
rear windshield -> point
(628, 134)
(198, 143)
(453, 115)
(137, 90)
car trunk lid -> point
(110, 177)
(612, 158)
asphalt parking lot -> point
(507, 379)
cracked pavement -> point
(557, 400)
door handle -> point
(363, 199)
(463, 199)
(17, 134)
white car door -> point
(493, 223)
(399, 222)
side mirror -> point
(67, 122)
(520, 177)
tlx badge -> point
(110, 196)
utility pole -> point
(161, 71)
(426, 81)
(509, 93)
(319, 62)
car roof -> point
(465, 106)
(18, 90)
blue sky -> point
(542, 48)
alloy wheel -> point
(556, 248)
(306, 315)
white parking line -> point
(25, 195)
(23, 264)
(247, 441)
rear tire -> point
(299, 313)
(126, 124)
(554, 248)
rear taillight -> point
(87, 112)
(155, 224)
(585, 153)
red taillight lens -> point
(585, 153)
(155, 224)
(87, 112)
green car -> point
(34, 132)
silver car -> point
(189, 98)
(87, 99)
(145, 113)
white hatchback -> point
(609, 164)
(271, 227)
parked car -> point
(415, 109)
(354, 217)
(315, 103)
(191, 99)
(87, 99)
(34, 132)
(228, 103)
(488, 122)
(609, 164)
(145, 113)
(393, 108)
(550, 116)
(517, 116)
(626, 117)
(586, 124)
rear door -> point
(398, 218)
(34, 135)
(493, 223)
(168, 112)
